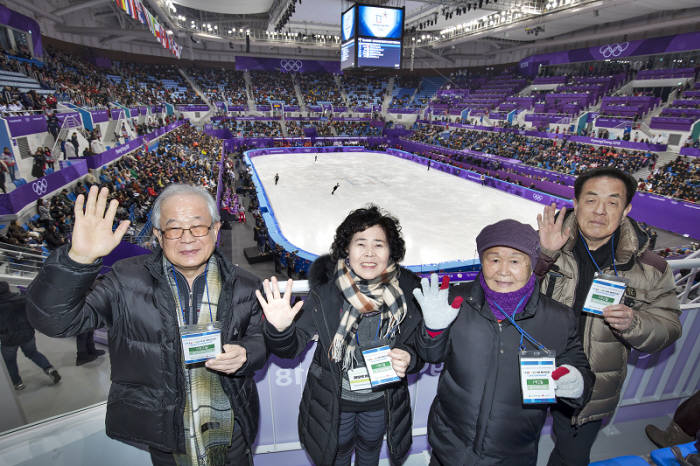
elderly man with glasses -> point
(184, 327)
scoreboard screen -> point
(372, 36)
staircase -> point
(300, 95)
(388, 96)
(429, 87)
(343, 94)
(249, 91)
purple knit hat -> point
(512, 234)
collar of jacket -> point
(631, 243)
(154, 264)
(477, 300)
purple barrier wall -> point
(690, 151)
(116, 113)
(23, 23)
(621, 144)
(286, 65)
(26, 124)
(143, 110)
(99, 116)
(28, 193)
(156, 109)
(656, 45)
(237, 108)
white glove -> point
(568, 382)
(437, 314)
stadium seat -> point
(665, 457)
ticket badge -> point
(605, 290)
(200, 342)
(359, 379)
(536, 383)
(379, 366)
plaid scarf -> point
(365, 296)
(208, 417)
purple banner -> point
(143, 110)
(193, 108)
(116, 113)
(99, 116)
(28, 193)
(286, 65)
(156, 109)
(655, 45)
(134, 111)
(690, 151)
(27, 124)
(23, 23)
(618, 143)
(73, 119)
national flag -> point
(134, 13)
(128, 6)
(140, 11)
(120, 4)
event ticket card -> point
(200, 344)
(359, 379)
(603, 292)
(536, 383)
(379, 366)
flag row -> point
(137, 11)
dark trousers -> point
(572, 444)
(687, 415)
(85, 343)
(9, 354)
(362, 432)
(238, 453)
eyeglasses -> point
(176, 233)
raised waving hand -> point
(92, 233)
(278, 308)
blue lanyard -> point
(376, 335)
(522, 331)
(612, 247)
(179, 298)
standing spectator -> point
(599, 237)
(16, 332)
(75, 143)
(184, 413)
(360, 298)
(50, 159)
(9, 160)
(53, 125)
(39, 163)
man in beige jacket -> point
(599, 242)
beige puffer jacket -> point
(650, 292)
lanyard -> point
(522, 331)
(179, 298)
(612, 248)
(376, 335)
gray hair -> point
(179, 189)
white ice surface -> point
(440, 214)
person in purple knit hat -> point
(509, 354)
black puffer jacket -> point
(146, 400)
(477, 416)
(15, 329)
(319, 411)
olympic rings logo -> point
(290, 65)
(537, 197)
(613, 50)
(39, 187)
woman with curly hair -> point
(360, 299)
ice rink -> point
(441, 214)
